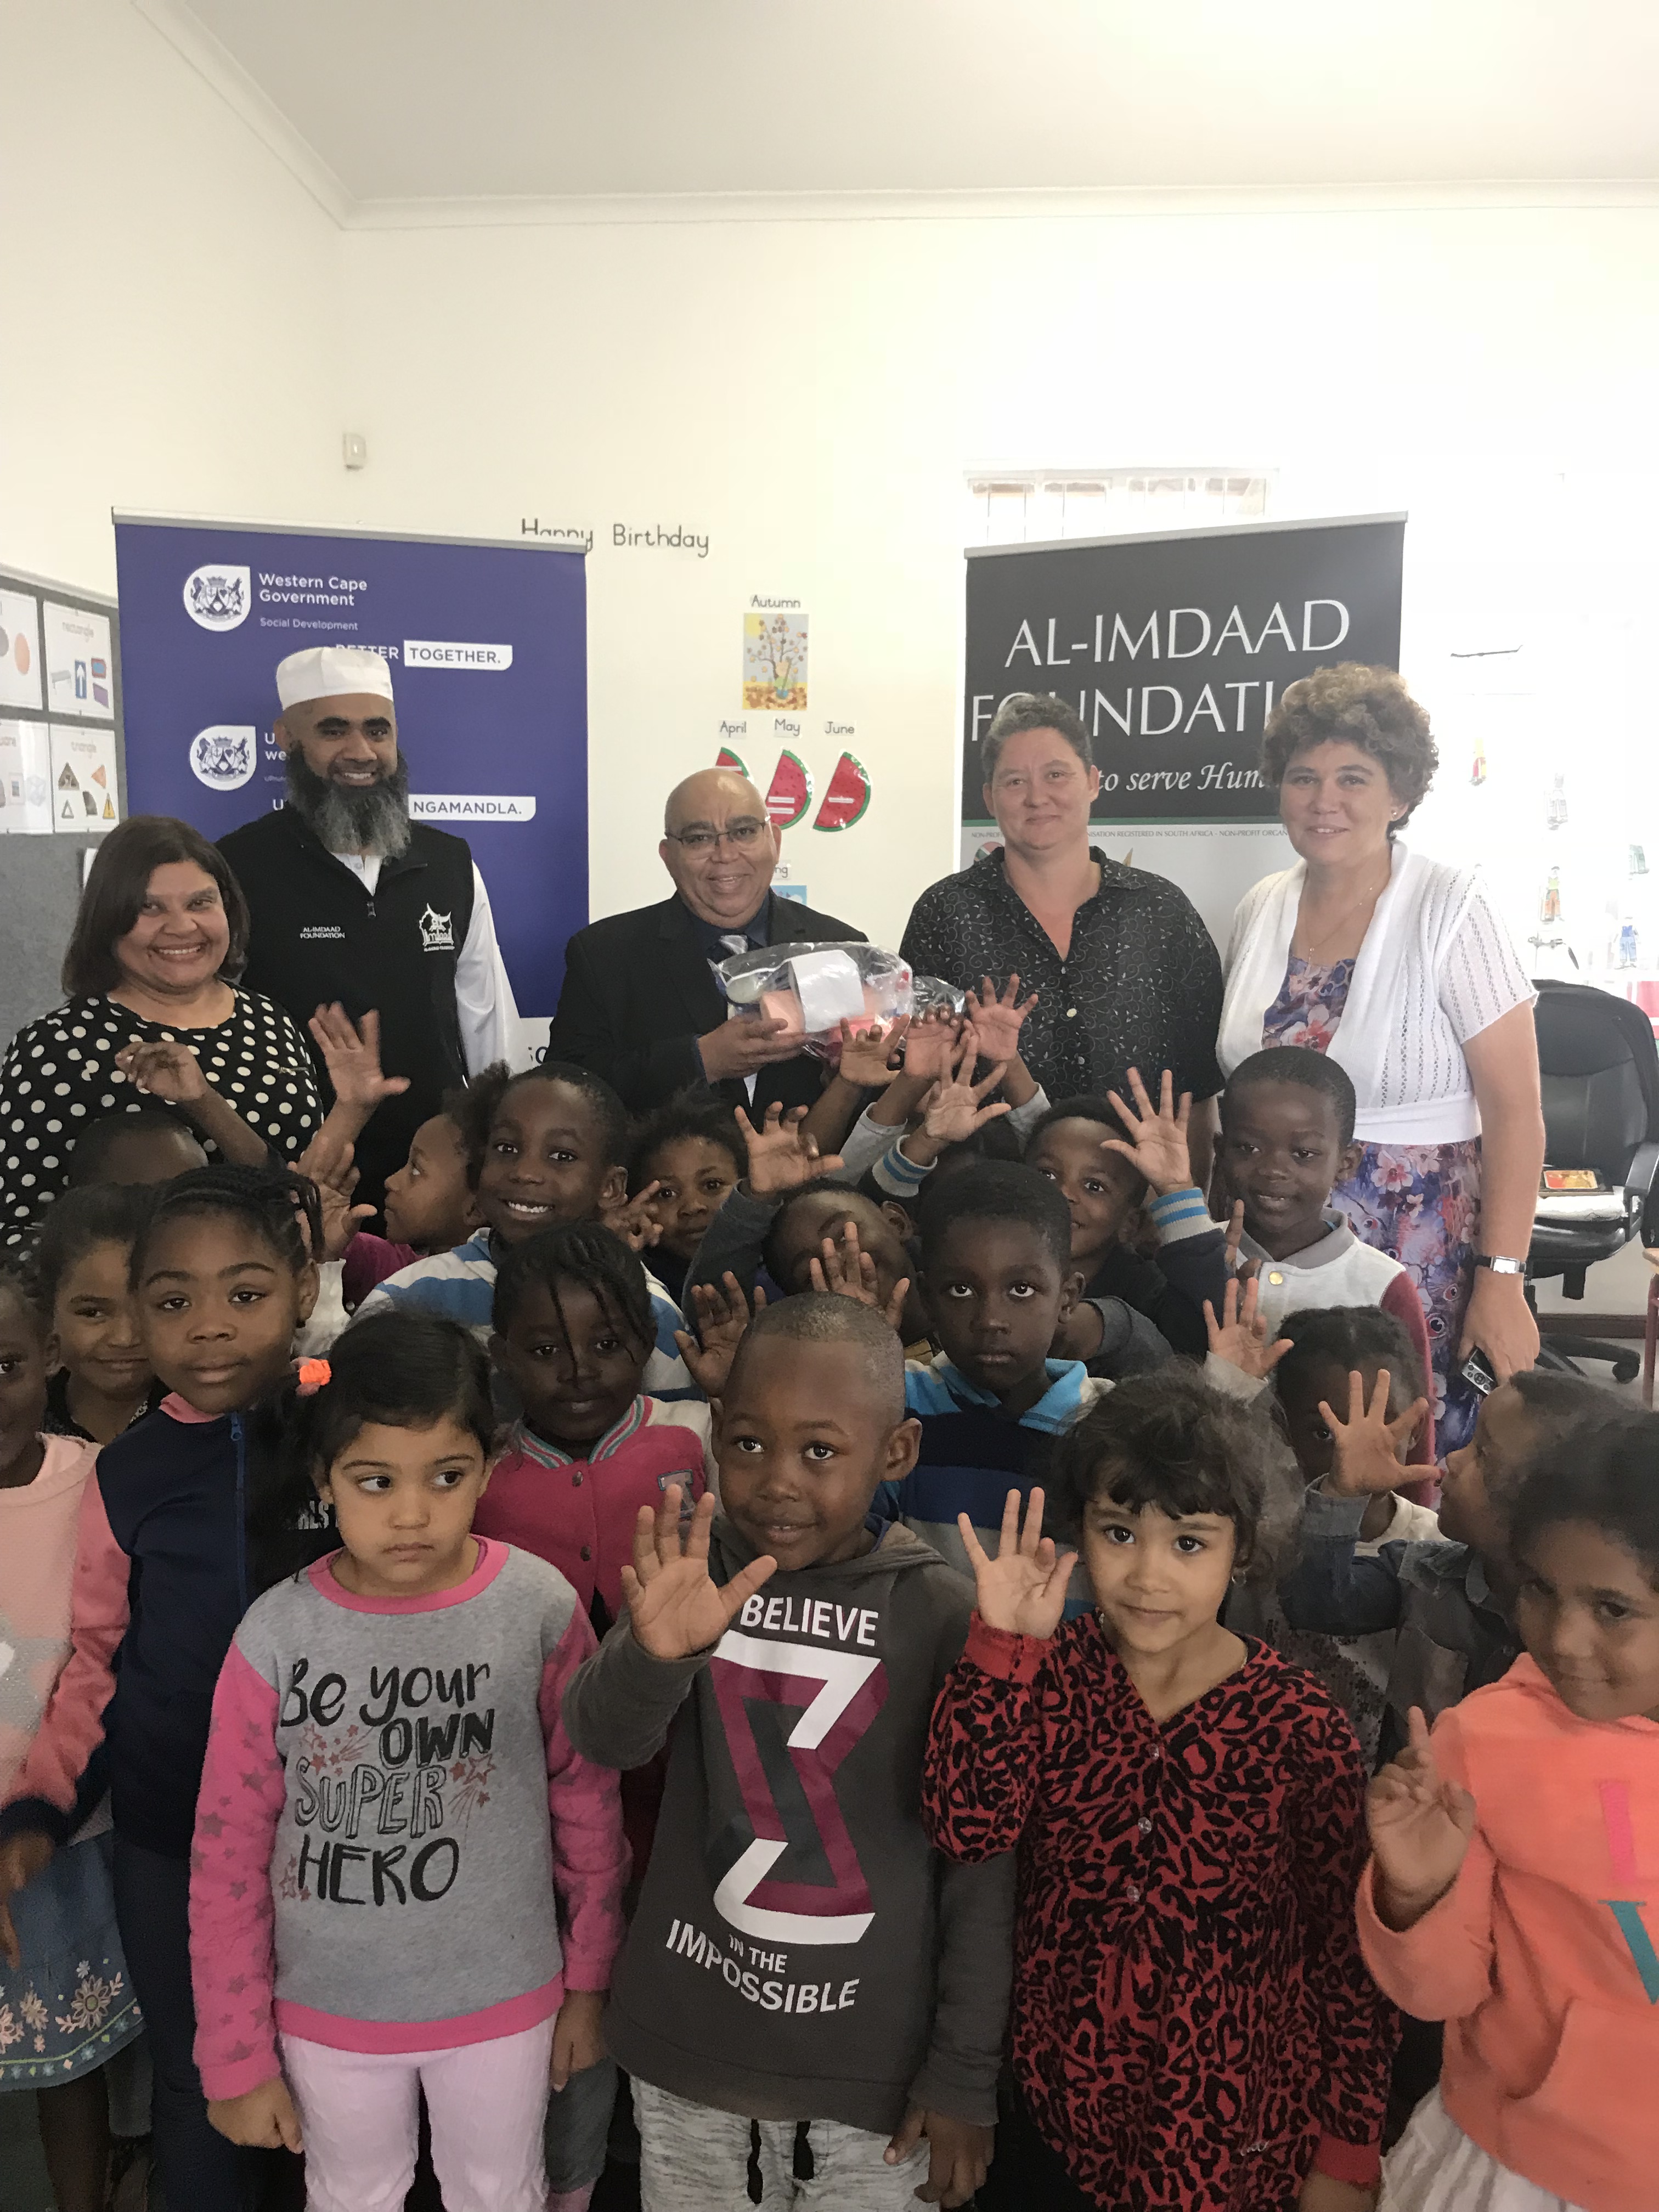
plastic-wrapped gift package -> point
(813, 988)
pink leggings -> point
(359, 2113)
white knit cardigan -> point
(1401, 1035)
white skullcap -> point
(331, 672)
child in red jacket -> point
(1193, 2029)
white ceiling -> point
(384, 101)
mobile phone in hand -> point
(1479, 1373)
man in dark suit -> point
(641, 1005)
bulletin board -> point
(62, 773)
(61, 766)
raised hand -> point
(341, 1218)
(1242, 1269)
(634, 1221)
(1240, 1337)
(1157, 1146)
(328, 1158)
(674, 1605)
(1024, 1589)
(1421, 1826)
(955, 1107)
(170, 1072)
(930, 1048)
(351, 1054)
(1370, 1447)
(721, 1317)
(998, 1017)
(845, 1270)
(870, 1058)
(782, 1155)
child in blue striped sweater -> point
(543, 1149)
(998, 1281)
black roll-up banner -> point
(1174, 647)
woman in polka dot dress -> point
(151, 1012)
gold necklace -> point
(1312, 944)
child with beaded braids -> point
(573, 1331)
(190, 1514)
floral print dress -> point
(1419, 1203)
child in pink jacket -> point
(403, 1875)
(1513, 1890)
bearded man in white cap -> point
(352, 901)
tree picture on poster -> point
(1173, 649)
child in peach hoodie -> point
(1513, 1889)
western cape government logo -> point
(218, 597)
(224, 756)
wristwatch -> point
(1500, 1263)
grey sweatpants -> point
(695, 2159)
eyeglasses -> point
(742, 835)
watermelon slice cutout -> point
(728, 758)
(790, 794)
(849, 795)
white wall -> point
(809, 395)
(806, 396)
(167, 332)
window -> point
(1025, 507)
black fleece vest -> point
(318, 935)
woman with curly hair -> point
(1398, 966)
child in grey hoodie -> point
(809, 1994)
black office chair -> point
(1599, 1070)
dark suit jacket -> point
(638, 992)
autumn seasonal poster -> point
(774, 663)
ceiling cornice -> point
(220, 69)
(1081, 203)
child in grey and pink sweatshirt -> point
(403, 1876)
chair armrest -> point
(1639, 1181)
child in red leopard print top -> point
(1194, 2027)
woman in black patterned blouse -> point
(1126, 975)
(152, 1012)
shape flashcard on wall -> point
(83, 780)
(774, 663)
(20, 649)
(25, 780)
(77, 656)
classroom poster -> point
(77, 662)
(20, 649)
(84, 785)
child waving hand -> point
(1193, 2025)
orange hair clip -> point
(313, 1375)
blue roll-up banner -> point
(488, 644)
